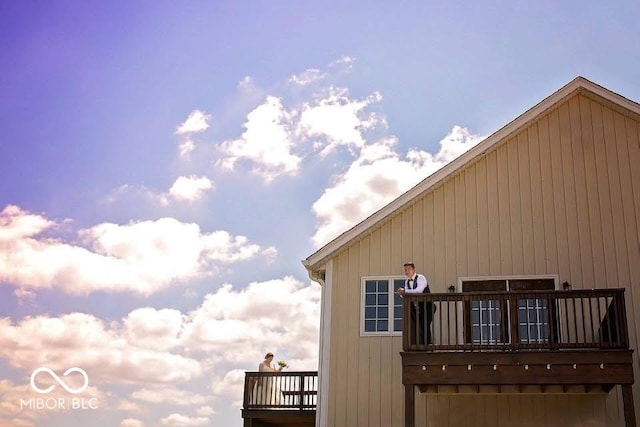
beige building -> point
(552, 198)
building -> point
(552, 198)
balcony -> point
(280, 399)
(573, 341)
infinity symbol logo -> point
(59, 380)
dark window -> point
(382, 307)
(486, 319)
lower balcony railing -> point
(515, 320)
(281, 390)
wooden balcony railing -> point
(515, 320)
(281, 390)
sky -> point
(167, 165)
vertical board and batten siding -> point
(561, 196)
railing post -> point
(247, 392)
(622, 314)
(301, 403)
(553, 322)
(406, 324)
(512, 319)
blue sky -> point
(166, 166)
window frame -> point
(390, 318)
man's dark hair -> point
(409, 264)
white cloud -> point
(159, 350)
(190, 188)
(177, 420)
(279, 315)
(131, 422)
(142, 257)
(337, 119)
(15, 398)
(185, 148)
(196, 122)
(272, 134)
(307, 77)
(170, 396)
(345, 60)
(266, 142)
(205, 411)
(154, 329)
(11, 414)
(103, 351)
(377, 176)
(246, 83)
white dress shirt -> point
(416, 284)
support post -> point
(409, 405)
(629, 409)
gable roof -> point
(578, 85)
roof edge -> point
(579, 83)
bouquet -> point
(282, 364)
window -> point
(381, 307)
(485, 319)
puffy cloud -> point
(16, 223)
(105, 352)
(196, 122)
(11, 414)
(307, 77)
(170, 396)
(272, 134)
(279, 315)
(131, 422)
(266, 142)
(15, 400)
(345, 60)
(184, 189)
(205, 411)
(163, 350)
(154, 329)
(376, 177)
(185, 148)
(337, 119)
(190, 188)
(177, 420)
(141, 257)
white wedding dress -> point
(266, 390)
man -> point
(421, 313)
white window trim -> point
(391, 305)
(555, 277)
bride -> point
(266, 391)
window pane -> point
(383, 326)
(370, 299)
(370, 326)
(383, 312)
(370, 313)
(370, 286)
(397, 284)
(383, 286)
(383, 299)
(397, 325)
